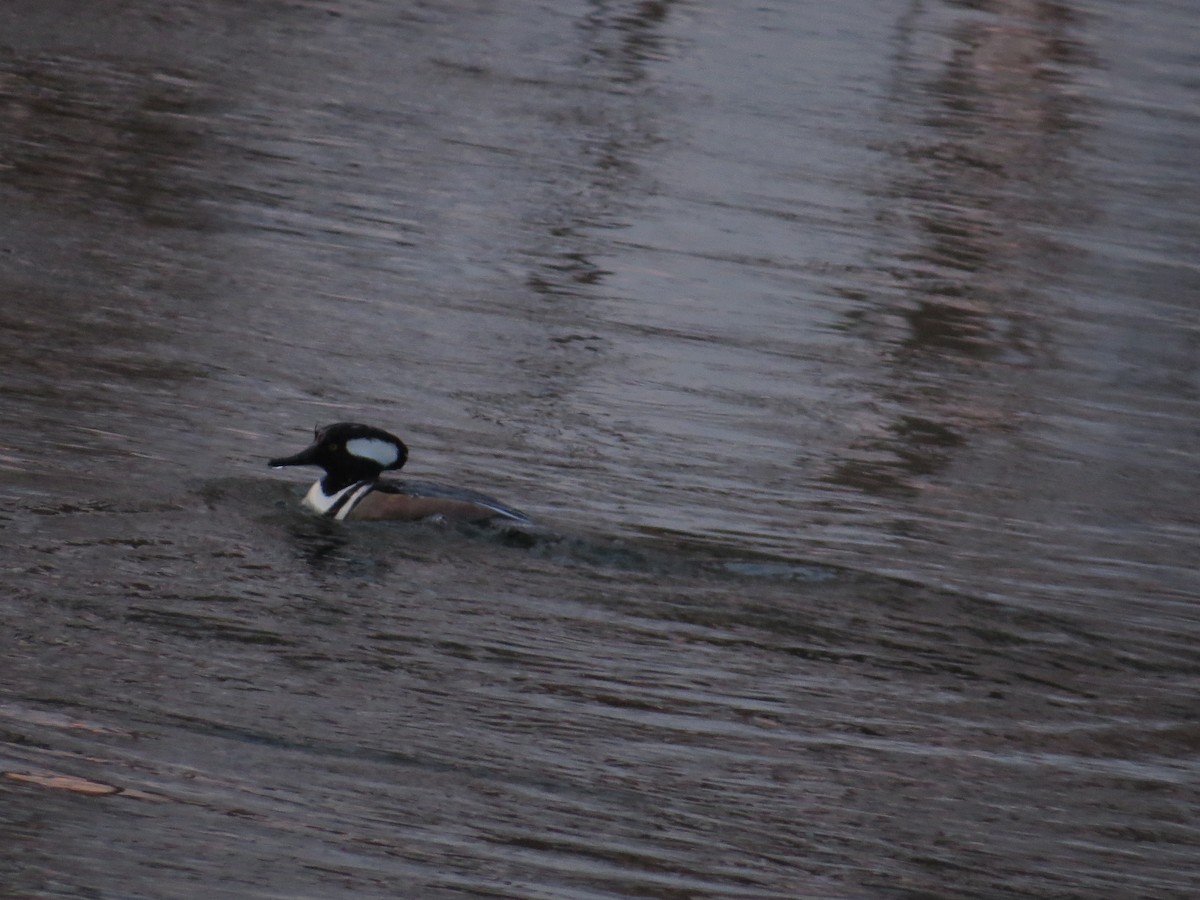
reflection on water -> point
(103, 139)
(987, 128)
(845, 353)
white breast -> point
(318, 500)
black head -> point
(349, 452)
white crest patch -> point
(382, 452)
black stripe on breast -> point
(356, 494)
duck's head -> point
(349, 452)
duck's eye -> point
(335, 447)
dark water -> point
(849, 355)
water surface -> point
(846, 354)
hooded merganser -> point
(353, 457)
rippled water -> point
(847, 354)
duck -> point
(354, 456)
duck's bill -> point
(303, 458)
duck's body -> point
(354, 456)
